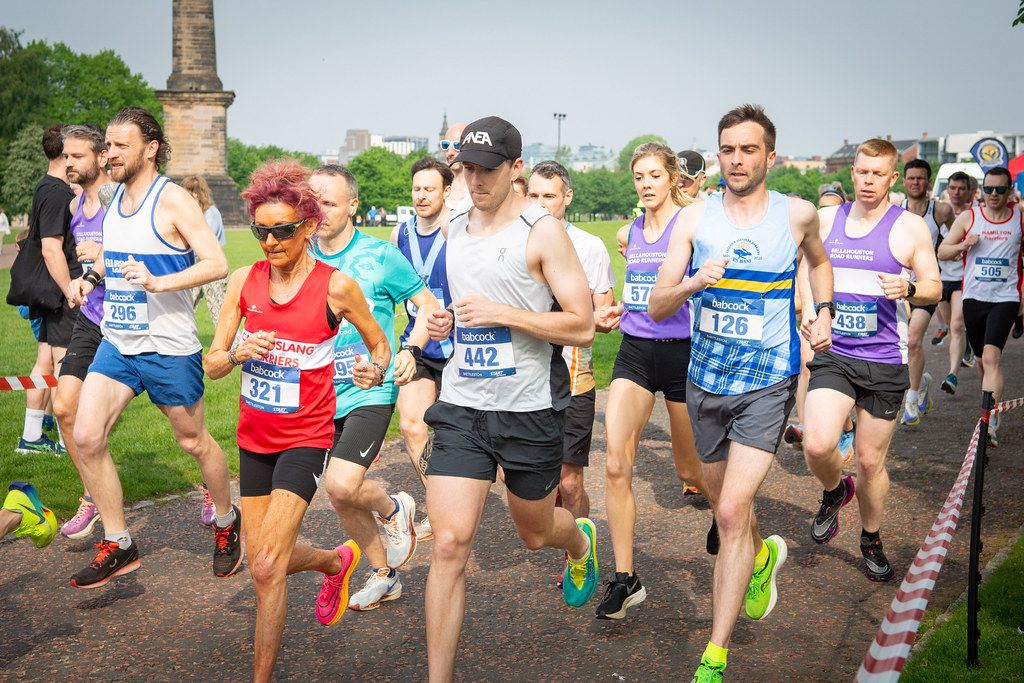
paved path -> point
(173, 620)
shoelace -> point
(83, 511)
(106, 547)
(392, 531)
(207, 499)
(222, 536)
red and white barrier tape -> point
(27, 382)
(888, 653)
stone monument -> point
(195, 108)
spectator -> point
(212, 291)
(5, 225)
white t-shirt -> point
(598, 268)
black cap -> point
(489, 141)
(691, 163)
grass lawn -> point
(148, 459)
(1001, 649)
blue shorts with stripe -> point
(170, 380)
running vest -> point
(136, 321)
(744, 331)
(933, 227)
(90, 230)
(867, 326)
(643, 260)
(950, 271)
(287, 398)
(498, 368)
(992, 267)
(593, 255)
(427, 256)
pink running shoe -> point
(209, 511)
(81, 525)
(333, 597)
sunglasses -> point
(993, 189)
(280, 232)
(454, 144)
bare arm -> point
(347, 301)
(405, 363)
(394, 236)
(922, 262)
(670, 290)
(603, 301)
(956, 242)
(807, 227)
(57, 264)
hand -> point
(256, 346)
(609, 317)
(819, 332)
(439, 324)
(807, 319)
(405, 367)
(969, 240)
(88, 250)
(894, 286)
(365, 375)
(711, 272)
(476, 310)
(136, 273)
(78, 289)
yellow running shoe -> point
(37, 522)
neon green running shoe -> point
(37, 522)
(708, 672)
(579, 579)
(762, 592)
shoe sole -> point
(949, 388)
(127, 569)
(878, 578)
(387, 597)
(85, 532)
(343, 591)
(783, 554)
(833, 529)
(631, 601)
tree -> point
(626, 155)
(24, 85)
(383, 178)
(1020, 15)
(243, 159)
(23, 165)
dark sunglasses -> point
(454, 144)
(990, 189)
(280, 232)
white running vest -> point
(136, 321)
(992, 266)
(497, 368)
(933, 230)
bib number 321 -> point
(270, 388)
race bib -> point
(485, 352)
(345, 358)
(125, 309)
(270, 388)
(856, 318)
(732, 320)
(412, 309)
(636, 290)
(992, 269)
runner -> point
(292, 307)
(458, 199)
(874, 247)
(652, 358)
(24, 515)
(85, 152)
(745, 353)
(361, 418)
(506, 389)
(431, 184)
(692, 173)
(917, 176)
(156, 248)
(988, 238)
(952, 274)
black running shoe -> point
(712, 543)
(621, 594)
(109, 562)
(227, 555)
(825, 524)
(876, 563)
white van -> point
(946, 170)
(404, 213)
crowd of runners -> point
(737, 306)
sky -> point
(304, 71)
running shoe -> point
(949, 384)
(690, 490)
(712, 542)
(561, 574)
(875, 562)
(333, 597)
(111, 561)
(42, 445)
(423, 530)
(940, 335)
(400, 531)
(37, 524)
(794, 434)
(993, 427)
(208, 510)
(762, 593)
(969, 359)
(579, 579)
(379, 587)
(49, 424)
(924, 399)
(911, 414)
(619, 595)
(825, 524)
(227, 554)
(1018, 327)
(846, 445)
(708, 672)
(81, 525)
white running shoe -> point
(379, 588)
(924, 399)
(993, 427)
(423, 530)
(911, 414)
(400, 531)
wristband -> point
(232, 359)
(911, 290)
(416, 351)
(93, 278)
(381, 370)
(826, 304)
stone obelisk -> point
(195, 107)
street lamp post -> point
(558, 146)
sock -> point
(838, 491)
(578, 560)
(87, 499)
(391, 572)
(868, 537)
(60, 436)
(714, 654)
(761, 559)
(225, 520)
(33, 425)
(912, 396)
(122, 538)
(393, 512)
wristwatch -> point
(826, 304)
(413, 349)
(911, 290)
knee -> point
(89, 439)
(571, 486)
(450, 550)
(194, 444)
(870, 465)
(990, 359)
(533, 539)
(341, 492)
(816, 446)
(618, 470)
(266, 569)
(914, 343)
(733, 517)
(413, 428)
(64, 409)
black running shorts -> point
(930, 308)
(950, 286)
(297, 470)
(430, 368)
(359, 436)
(876, 387)
(85, 339)
(579, 428)
(654, 364)
(989, 324)
(471, 443)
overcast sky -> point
(305, 71)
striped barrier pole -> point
(23, 382)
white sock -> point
(33, 425)
(60, 436)
(912, 396)
(580, 559)
(122, 538)
(225, 520)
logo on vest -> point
(743, 251)
(480, 137)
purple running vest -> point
(643, 260)
(867, 326)
(90, 230)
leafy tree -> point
(243, 159)
(626, 155)
(24, 85)
(1020, 15)
(23, 165)
(383, 178)
(601, 191)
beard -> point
(125, 174)
(755, 177)
(85, 177)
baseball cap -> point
(691, 163)
(489, 141)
